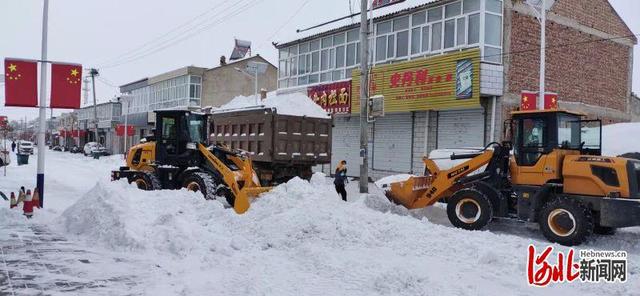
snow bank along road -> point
(100, 238)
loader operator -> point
(341, 179)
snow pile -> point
(296, 104)
(301, 239)
(621, 138)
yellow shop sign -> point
(449, 81)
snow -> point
(298, 239)
(296, 104)
(384, 182)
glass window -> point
(391, 46)
(338, 39)
(452, 10)
(461, 32)
(337, 75)
(313, 78)
(435, 14)
(293, 50)
(324, 60)
(492, 54)
(415, 40)
(569, 132)
(351, 54)
(401, 23)
(470, 5)
(325, 76)
(383, 28)
(302, 80)
(449, 33)
(403, 44)
(419, 18)
(494, 6)
(315, 61)
(493, 29)
(284, 53)
(302, 67)
(294, 66)
(381, 48)
(533, 132)
(353, 35)
(196, 128)
(304, 47)
(327, 42)
(169, 128)
(340, 54)
(314, 45)
(425, 38)
(436, 37)
(474, 28)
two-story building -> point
(108, 117)
(451, 71)
(190, 88)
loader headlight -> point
(192, 146)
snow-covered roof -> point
(296, 104)
(291, 36)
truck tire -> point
(146, 181)
(469, 209)
(566, 221)
(224, 191)
(604, 230)
(201, 182)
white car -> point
(92, 147)
(25, 147)
(5, 159)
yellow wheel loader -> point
(176, 157)
(555, 177)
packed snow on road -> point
(100, 237)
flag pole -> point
(43, 104)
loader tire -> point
(224, 191)
(469, 209)
(201, 182)
(566, 221)
(146, 181)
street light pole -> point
(364, 89)
(93, 73)
(43, 104)
(543, 46)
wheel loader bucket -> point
(242, 203)
(407, 192)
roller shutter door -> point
(346, 144)
(461, 129)
(392, 143)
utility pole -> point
(364, 95)
(543, 46)
(43, 104)
(94, 73)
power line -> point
(170, 43)
(285, 23)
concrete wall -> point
(221, 84)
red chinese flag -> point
(528, 101)
(65, 85)
(20, 83)
(551, 101)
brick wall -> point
(594, 73)
(597, 14)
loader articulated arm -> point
(420, 192)
(249, 189)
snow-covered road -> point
(95, 237)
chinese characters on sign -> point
(593, 267)
(443, 82)
(334, 97)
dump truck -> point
(281, 146)
(177, 156)
(549, 170)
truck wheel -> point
(224, 191)
(146, 181)
(201, 182)
(566, 221)
(469, 209)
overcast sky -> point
(132, 39)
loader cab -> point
(539, 133)
(177, 134)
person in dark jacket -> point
(341, 179)
(13, 146)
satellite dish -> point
(538, 3)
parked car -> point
(25, 147)
(93, 147)
(5, 159)
(75, 149)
